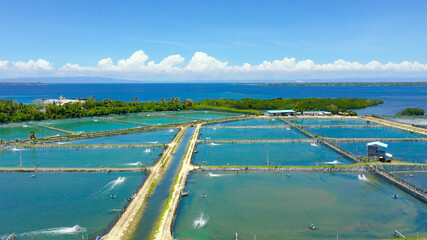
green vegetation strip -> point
(11, 111)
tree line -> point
(11, 111)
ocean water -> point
(249, 133)
(396, 97)
(149, 137)
(328, 121)
(244, 154)
(21, 131)
(277, 206)
(48, 206)
(81, 157)
(382, 132)
(415, 152)
(251, 122)
(87, 125)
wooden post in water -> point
(236, 236)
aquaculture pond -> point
(283, 205)
(148, 137)
(151, 119)
(249, 133)
(156, 202)
(243, 154)
(80, 157)
(375, 132)
(418, 179)
(251, 122)
(329, 121)
(22, 131)
(405, 151)
(61, 205)
(204, 114)
(88, 125)
(419, 120)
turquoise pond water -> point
(383, 132)
(277, 206)
(160, 118)
(88, 125)
(405, 151)
(249, 133)
(328, 121)
(418, 179)
(242, 154)
(149, 137)
(251, 122)
(49, 205)
(204, 114)
(82, 157)
(153, 119)
(22, 131)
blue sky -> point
(235, 32)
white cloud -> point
(202, 66)
(201, 62)
(4, 64)
(32, 65)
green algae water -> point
(22, 131)
(282, 206)
(415, 152)
(54, 205)
(329, 121)
(255, 154)
(381, 132)
(249, 133)
(88, 125)
(251, 122)
(149, 137)
(81, 157)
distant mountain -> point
(66, 80)
(343, 81)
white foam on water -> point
(111, 185)
(363, 177)
(134, 164)
(214, 175)
(214, 144)
(170, 130)
(314, 145)
(62, 143)
(200, 222)
(147, 150)
(156, 142)
(288, 128)
(95, 120)
(17, 149)
(333, 162)
(50, 231)
(25, 126)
